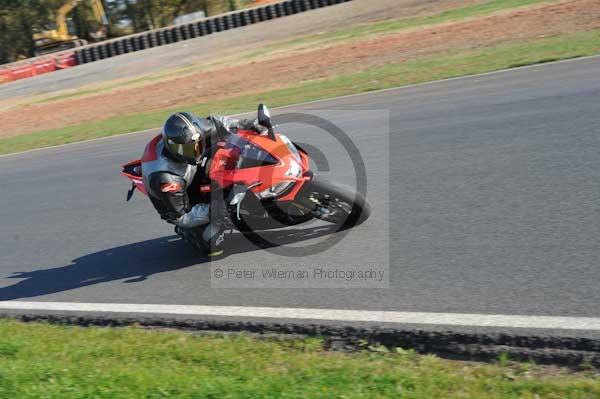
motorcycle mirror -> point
(264, 116)
(264, 119)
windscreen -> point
(250, 155)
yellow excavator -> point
(58, 38)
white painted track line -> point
(449, 319)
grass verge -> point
(45, 361)
(391, 75)
(386, 27)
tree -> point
(20, 19)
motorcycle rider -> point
(175, 168)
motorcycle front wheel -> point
(335, 203)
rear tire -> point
(336, 203)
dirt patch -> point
(508, 26)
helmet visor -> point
(187, 152)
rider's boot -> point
(213, 239)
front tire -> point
(336, 203)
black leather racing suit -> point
(174, 187)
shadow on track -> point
(138, 261)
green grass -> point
(84, 92)
(386, 27)
(118, 84)
(44, 361)
(392, 75)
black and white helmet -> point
(184, 136)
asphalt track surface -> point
(492, 183)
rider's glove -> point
(251, 124)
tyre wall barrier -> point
(219, 23)
(64, 61)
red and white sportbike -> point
(268, 183)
